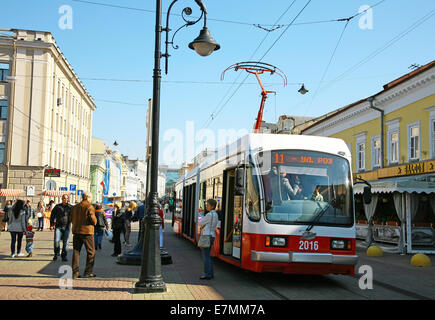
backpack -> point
(100, 220)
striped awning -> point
(10, 192)
(54, 193)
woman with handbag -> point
(208, 225)
(17, 227)
(40, 215)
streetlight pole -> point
(151, 279)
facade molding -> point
(414, 89)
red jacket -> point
(161, 216)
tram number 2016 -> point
(309, 245)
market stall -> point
(402, 212)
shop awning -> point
(54, 193)
(397, 185)
(10, 192)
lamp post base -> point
(149, 287)
(134, 257)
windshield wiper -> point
(317, 217)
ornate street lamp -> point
(151, 279)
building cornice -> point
(381, 99)
(57, 55)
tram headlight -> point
(276, 241)
(341, 244)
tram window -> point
(296, 191)
(252, 194)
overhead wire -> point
(217, 110)
(330, 61)
(270, 48)
(379, 50)
(208, 18)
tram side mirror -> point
(367, 195)
(240, 176)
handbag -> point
(204, 240)
(108, 234)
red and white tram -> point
(285, 204)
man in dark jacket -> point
(83, 222)
(28, 210)
(61, 220)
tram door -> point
(188, 210)
(232, 220)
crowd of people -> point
(88, 224)
(86, 221)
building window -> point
(432, 137)
(361, 156)
(4, 71)
(376, 152)
(2, 152)
(414, 141)
(3, 109)
(394, 147)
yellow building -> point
(392, 139)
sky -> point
(111, 45)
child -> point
(29, 240)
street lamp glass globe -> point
(204, 44)
(204, 49)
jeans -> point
(40, 223)
(206, 258)
(16, 237)
(29, 247)
(61, 234)
(98, 236)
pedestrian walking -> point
(8, 213)
(17, 227)
(128, 219)
(101, 225)
(208, 225)
(28, 210)
(118, 223)
(29, 239)
(40, 211)
(162, 226)
(60, 220)
(83, 222)
(138, 216)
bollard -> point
(374, 251)
(420, 260)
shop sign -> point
(52, 173)
(407, 169)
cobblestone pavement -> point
(41, 278)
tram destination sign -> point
(283, 158)
(52, 173)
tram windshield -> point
(301, 187)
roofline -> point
(386, 87)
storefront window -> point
(422, 208)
